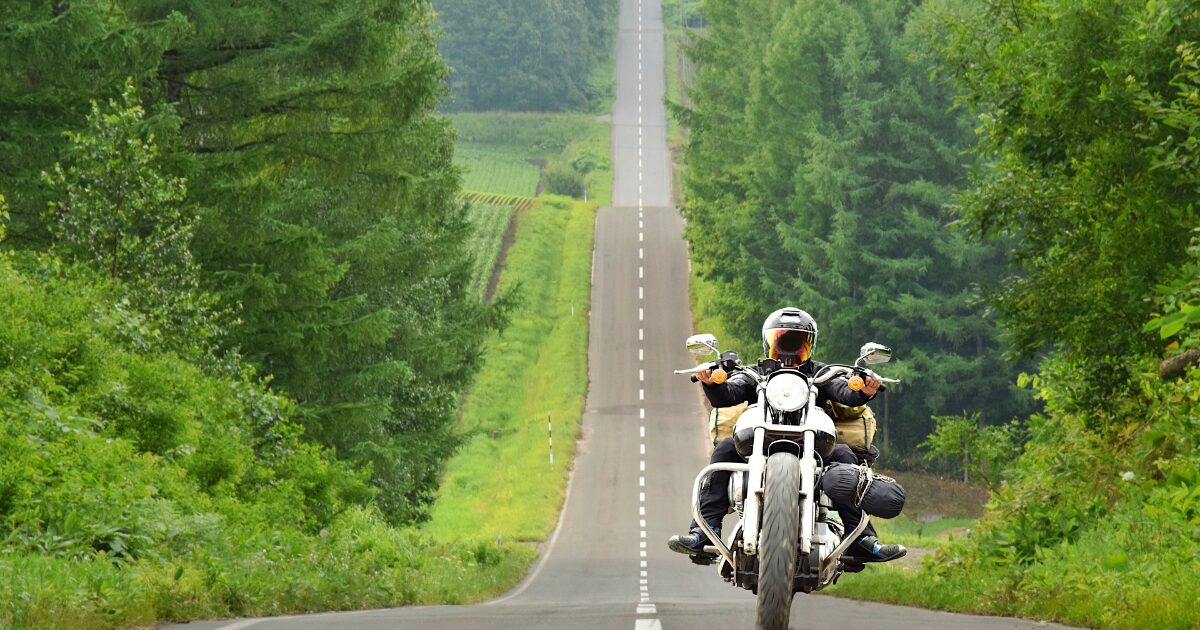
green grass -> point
(911, 532)
(490, 222)
(501, 484)
(358, 562)
(1101, 599)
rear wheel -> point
(777, 541)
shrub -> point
(565, 181)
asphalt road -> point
(607, 566)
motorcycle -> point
(785, 541)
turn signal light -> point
(856, 383)
(719, 376)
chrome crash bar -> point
(719, 544)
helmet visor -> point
(789, 344)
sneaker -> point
(869, 549)
(692, 544)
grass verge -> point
(358, 562)
(501, 486)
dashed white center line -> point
(644, 606)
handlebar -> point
(828, 372)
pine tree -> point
(525, 54)
(323, 189)
(832, 196)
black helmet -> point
(789, 336)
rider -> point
(789, 336)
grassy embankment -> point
(137, 488)
(135, 538)
(500, 486)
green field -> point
(490, 222)
(496, 151)
(496, 169)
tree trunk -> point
(1175, 366)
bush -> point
(565, 181)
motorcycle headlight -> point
(787, 392)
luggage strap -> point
(866, 477)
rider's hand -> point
(705, 377)
(871, 385)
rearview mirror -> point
(873, 353)
(702, 344)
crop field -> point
(497, 151)
(496, 169)
(490, 222)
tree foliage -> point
(820, 167)
(1086, 160)
(526, 55)
(1088, 169)
(981, 452)
(321, 185)
(123, 217)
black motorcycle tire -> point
(777, 542)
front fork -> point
(808, 499)
(754, 492)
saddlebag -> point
(855, 426)
(875, 494)
(721, 421)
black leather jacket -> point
(741, 388)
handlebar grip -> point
(694, 379)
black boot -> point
(693, 543)
(869, 549)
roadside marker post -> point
(550, 438)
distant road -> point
(608, 566)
